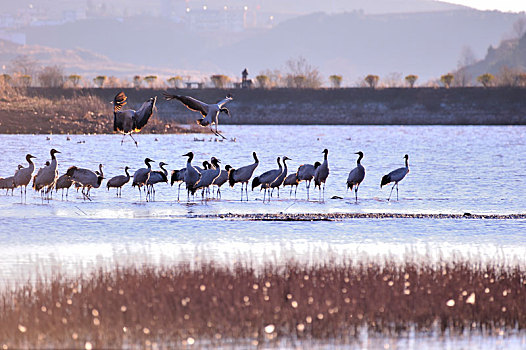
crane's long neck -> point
(359, 159)
(127, 173)
(256, 160)
(285, 167)
(164, 170)
(407, 162)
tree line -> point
(298, 73)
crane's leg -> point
(136, 144)
(246, 190)
(397, 191)
(218, 193)
(123, 136)
(307, 184)
(356, 193)
(392, 188)
(296, 191)
(178, 191)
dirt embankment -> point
(47, 110)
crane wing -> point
(190, 103)
(141, 117)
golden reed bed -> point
(211, 304)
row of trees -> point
(298, 73)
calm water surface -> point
(453, 170)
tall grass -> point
(21, 112)
(212, 304)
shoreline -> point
(343, 216)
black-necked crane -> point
(267, 178)
(156, 177)
(243, 175)
(396, 176)
(221, 179)
(119, 181)
(306, 173)
(356, 176)
(129, 121)
(23, 176)
(208, 176)
(209, 111)
(192, 175)
(141, 175)
(64, 182)
(47, 176)
(87, 178)
(322, 172)
(177, 176)
(279, 180)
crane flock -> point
(195, 178)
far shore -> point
(89, 111)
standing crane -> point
(119, 181)
(23, 176)
(141, 175)
(322, 172)
(192, 175)
(243, 175)
(87, 178)
(47, 176)
(396, 176)
(267, 178)
(356, 175)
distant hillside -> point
(510, 54)
(80, 61)
(352, 44)
(426, 44)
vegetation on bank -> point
(22, 113)
(212, 304)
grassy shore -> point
(79, 113)
(179, 305)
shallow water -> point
(454, 169)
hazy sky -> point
(502, 5)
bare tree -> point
(447, 80)
(175, 81)
(372, 80)
(219, 80)
(74, 79)
(137, 81)
(51, 76)
(466, 59)
(336, 81)
(411, 79)
(150, 80)
(23, 65)
(486, 79)
(263, 81)
(100, 80)
(393, 79)
(300, 67)
(275, 77)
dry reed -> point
(21, 113)
(211, 304)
